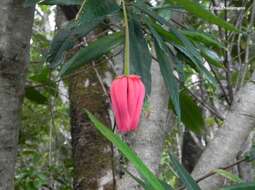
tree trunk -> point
(92, 153)
(223, 149)
(148, 140)
(15, 33)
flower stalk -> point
(126, 56)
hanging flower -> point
(127, 95)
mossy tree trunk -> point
(92, 153)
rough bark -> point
(224, 148)
(148, 140)
(92, 153)
(15, 33)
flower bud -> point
(127, 96)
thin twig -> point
(247, 49)
(220, 85)
(100, 79)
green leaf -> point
(197, 63)
(169, 78)
(211, 57)
(185, 177)
(199, 11)
(167, 186)
(66, 38)
(203, 37)
(140, 57)
(94, 9)
(35, 96)
(145, 184)
(28, 3)
(228, 175)
(93, 51)
(139, 181)
(42, 76)
(127, 152)
(242, 186)
(168, 36)
(191, 114)
(140, 5)
(61, 2)
(92, 14)
(166, 68)
(184, 46)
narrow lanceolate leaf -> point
(228, 175)
(61, 2)
(91, 52)
(94, 9)
(145, 185)
(165, 61)
(92, 14)
(169, 78)
(185, 177)
(242, 186)
(52, 2)
(191, 114)
(128, 153)
(211, 57)
(138, 180)
(197, 63)
(140, 5)
(203, 38)
(28, 3)
(66, 38)
(140, 56)
(184, 46)
(196, 9)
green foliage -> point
(228, 175)
(61, 2)
(52, 2)
(35, 96)
(128, 153)
(66, 38)
(92, 14)
(242, 186)
(191, 114)
(97, 9)
(197, 10)
(185, 177)
(204, 38)
(44, 151)
(211, 57)
(91, 52)
(165, 61)
(30, 179)
(140, 56)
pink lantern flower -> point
(127, 95)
